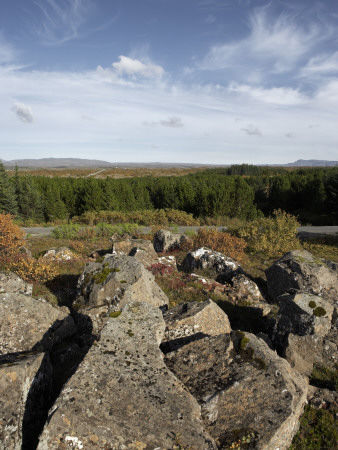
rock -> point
(115, 282)
(168, 260)
(302, 322)
(299, 270)
(59, 254)
(204, 258)
(10, 282)
(18, 384)
(250, 392)
(123, 396)
(193, 319)
(246, 289)
(31, 324)
(322, 398)
(147, 257)
(165, 240)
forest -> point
(242, 191)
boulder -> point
(168, 260)
(10, 282)
(204, 258)
(165, 240)
(123, 395)
(299, 270)
(250, 393)
(193, 319)
(31, 324)
(18, 384)
(59, 254)
(116, 281)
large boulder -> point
(27, 323)
(205, 258)
(19, 384)
(193, 319)
(123, 395)
(165, 240)
(10, 282)
(115, 282)
(141, 249)
(250, 394)
(299, 270)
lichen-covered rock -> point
(165, 240)
(123, 395)
(168, 260)
(299, 270)
(193, 319)
(59, 254)
(10, 282)
(250, 392)
(16, 378)
(27, 323)
(204, 258)
(117, 281)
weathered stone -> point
(165, 240)
(117, 281)
(123, 395)
(27, 323)
(299, 270)
(204, 258)
(168, 260)
(248, 393)
(16, 380)
(59, 254)
(246, 289)
(194, 318)
(10, 282)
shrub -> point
(219, 241)
(33, 270)
(270, 235)
(11, 236)
(70, 231)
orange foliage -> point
(33, 270)
(11, 236)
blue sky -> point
(199, 81)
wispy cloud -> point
(170, 122)
(61, 19)
(324, 64)
(251, 130)
(134, 67)
(23, 112)
(278, 96)
(7, 52)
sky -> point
(194, 81)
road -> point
(303, 232)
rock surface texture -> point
(165, 240)
(135, 401)
(9, 282)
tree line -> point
(242, 191)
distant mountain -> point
(311, 163)
(54, 163)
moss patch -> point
(312, 304)
(319, 311)
(324, 377)
(101, 276)
(115, 314)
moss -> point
(324, 377)
(319, 311)
(101, 276)
(115, 314)
(123, 281)
(244, 343)
(130, 333)
(312, 304)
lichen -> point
(312, 304)
(101, 276)
(115, 314)
(319, 311)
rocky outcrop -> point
(115, 282)
(59, 254)
(248, 393)
(141, 249)
(299, 270)
(10, 282)
(31, 324)
(204, 258)
(193, 321)
(123, 395)
(165, 240)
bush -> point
(220, 241)
(270, 235)
(11, 236)
(70, 231)
(33, 270)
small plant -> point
(70, 231)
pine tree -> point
(8, 202)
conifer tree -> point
(8, 202)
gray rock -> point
(194, 318)
(27, 323)
(204, 258)
(59, 254)
(165, 240)
(299, 270)
(115, 282)
(16, 378)
(123, 396)
(10, 282)
(248, 393)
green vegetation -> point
(115, 314)
(319, 311)
(325, 377)
(312, 304)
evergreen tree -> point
(8, 202)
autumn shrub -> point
(220, 241)
(33, 270)
(270, 235)
(11, 236)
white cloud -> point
(7, 52)
(61, 19)
(134, 67)
(23, 112)
(251, 130)
(170, 122)
(278, 96)
(321, 65)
